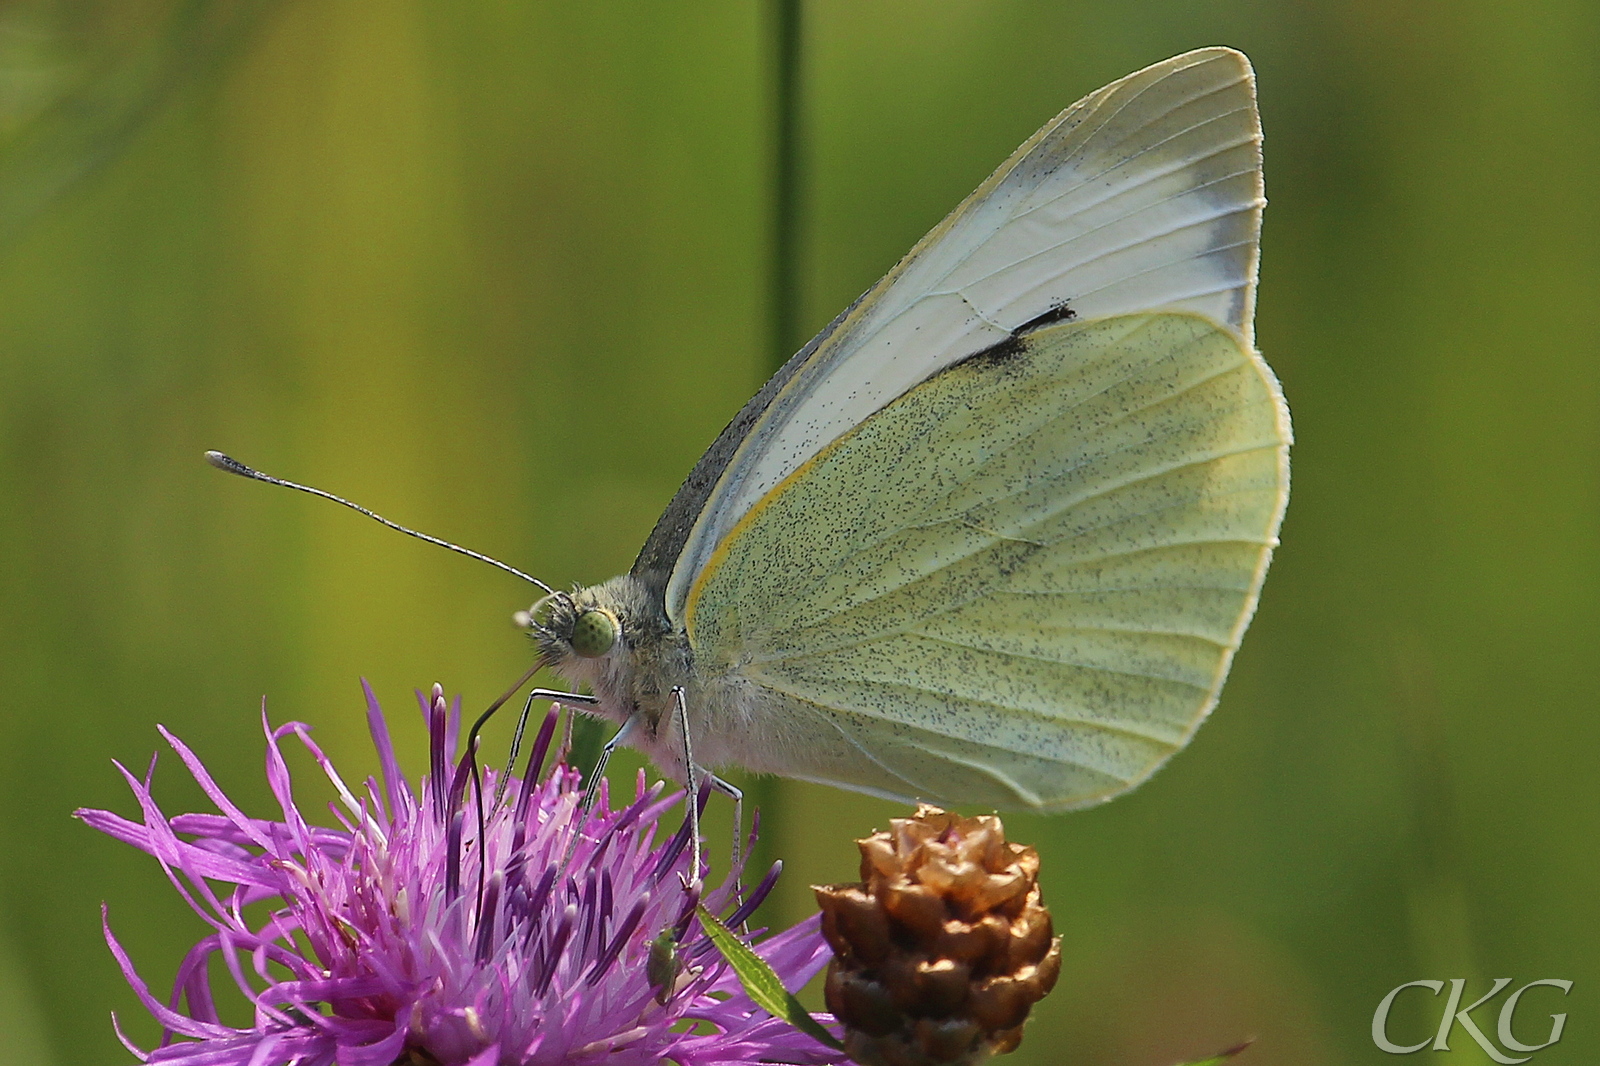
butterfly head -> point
(585, 629)
(615, 638)
(570, 625)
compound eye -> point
(593, 633)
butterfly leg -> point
(564, 697)
(591, 788)
(516, 747)
(736, 856)
(693, 796)
(522, 722)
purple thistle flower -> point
(387, 941)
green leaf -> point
(1222, 1056)
(760, 983)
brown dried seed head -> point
(1006, 1042)
(1002, 1002)
(943, 947)
(970, 942)
(863, 999)
(878, 858)
(853, 922)
(1031, 935)
(946, 1039)
(917, 910)
(1049, 969)
(941, 985)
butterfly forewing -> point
(1144, 195)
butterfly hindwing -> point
(1021, 583)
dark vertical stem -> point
(784, 270)
(783, 274)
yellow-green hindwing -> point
(1019, 584)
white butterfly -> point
(994, 535)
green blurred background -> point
(501, 270)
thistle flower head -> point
(458, 924)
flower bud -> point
(942, 947)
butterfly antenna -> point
(234, 466)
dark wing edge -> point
(661, 549)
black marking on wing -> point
(1059, 312)
(1017, 343)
